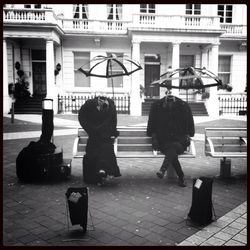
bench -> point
(132, 142)
(226, 143)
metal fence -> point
(72, 103)
(235, 104)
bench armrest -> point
(75, 146)
(211, 145)
(244, 140)
(192, 147)
(115, 145)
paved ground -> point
(136, 209)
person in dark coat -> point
(98, 118)
(171, 124)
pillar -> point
(204, 58)
(213, 102)
(50, 76)
(135, 100)
(6, 98)
(175, 65)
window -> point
(193, 9)
(224, 69)
(80, 11)
(116, 69)
(114, 12)
(147, 8)
(225, 11)
(27, 6)
(81, 59)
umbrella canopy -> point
(190, 78)
(111, 66)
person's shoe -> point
(160, 174)
(182, 182)
(102, 173)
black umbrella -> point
(114, 67)
(191, 78)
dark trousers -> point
(171, 152)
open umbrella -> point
(114, 66)
(190, 78)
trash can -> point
(77, 201)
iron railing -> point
(72, 103)
(235, 104)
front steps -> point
(198, 108)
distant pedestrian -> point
(98, 118)
(171, 125)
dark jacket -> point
(170, 122)
(100, 126)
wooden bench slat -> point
(226, 140)
(226, 132)
(134, 140)
(134, 147)
(135, 133)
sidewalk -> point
(136, 209)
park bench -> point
(226, 143)
(132, 142)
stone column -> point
(50, 76)
(175, 65)
(135, 100)
(6, 98)
(213, 102)
(204, 57)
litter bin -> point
(77, 201)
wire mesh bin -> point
(77, 206)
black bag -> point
(201, 211)
(89, 168)
(33, 163)
(77, 199)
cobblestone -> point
(134, 209)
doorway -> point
(39, 79)
(151, 73)
(185, 62)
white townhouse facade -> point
(42, 37)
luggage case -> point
(33, 165)
(201, 211)
(77, 201)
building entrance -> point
(39, 79)
(151, 73)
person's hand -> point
(155, 143)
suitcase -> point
(201, 211)
(31, 165)
(77, 201)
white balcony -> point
(139, 22)
(94, 26)
(176, 21)
(233, 30)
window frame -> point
(224, 18)
(223, 73)
(81, 14)
(148, 9)
(116, 11)
(192, 8)
(84, 55)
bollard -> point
(225, 168)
